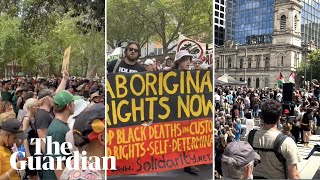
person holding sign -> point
(130, 63)
(182, 62)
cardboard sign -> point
(66, 59)
(159, 121)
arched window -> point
(267, 62)
(249, 82)
(257, 83)
(283, 22)
(266, 82)
(282, 61)
(295, 22)
(241, 63)
(249, 63)
(229, 63)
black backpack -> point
(276, 148)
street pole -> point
(245, 68)
(305, 65)
(224, 62)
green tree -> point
(161, 20)
(312, 66)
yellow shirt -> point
(5, 162)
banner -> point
(116, 54)
(159, 121)
(66, 59)
(197, 49)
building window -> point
(295, 22)
(158, 51)
(267, 62)
(249, 82)
(258, 63)
(283, 22)
(241, 63)
(257, 83)
(266, 82)
(249, 63)
(281, 60)
(218, 64)
(229, 63)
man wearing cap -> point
(64, 107)
(89, 135)
(167, 63)
(237, 161)
(271, 167)
(43, 116)
(130, 63)
(95, 98)
(10, 132)
(148, 64)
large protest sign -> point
(159, 121)
(199, 50)
(66, 59)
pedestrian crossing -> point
(309, 168)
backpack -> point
(276, 148)
(116, 66)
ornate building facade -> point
(259, 64)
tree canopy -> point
(158, 20)
(35, 33)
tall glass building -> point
(310, 21)
(219, 21)
(251, 21)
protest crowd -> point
(264, 119)
(64, 109)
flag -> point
(291, 78)
(280, 80)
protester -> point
(265, 138)
(29, 128)
(182, 61)
(64, 107)
(89, 135)
(10, 133)
(306, 126)
(149, 65)
(167, 63)
(197, 63)
(238, 161)
(80, 106)
(95, 98)
(129, 64)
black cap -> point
(89, 124)
(45, 92)
(13, 126)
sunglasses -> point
(133, 49)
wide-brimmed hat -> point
(182, 54)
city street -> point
(206, 173)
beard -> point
(131, 57)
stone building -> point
(259, 64)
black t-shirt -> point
(125, 68)
(43, 119)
